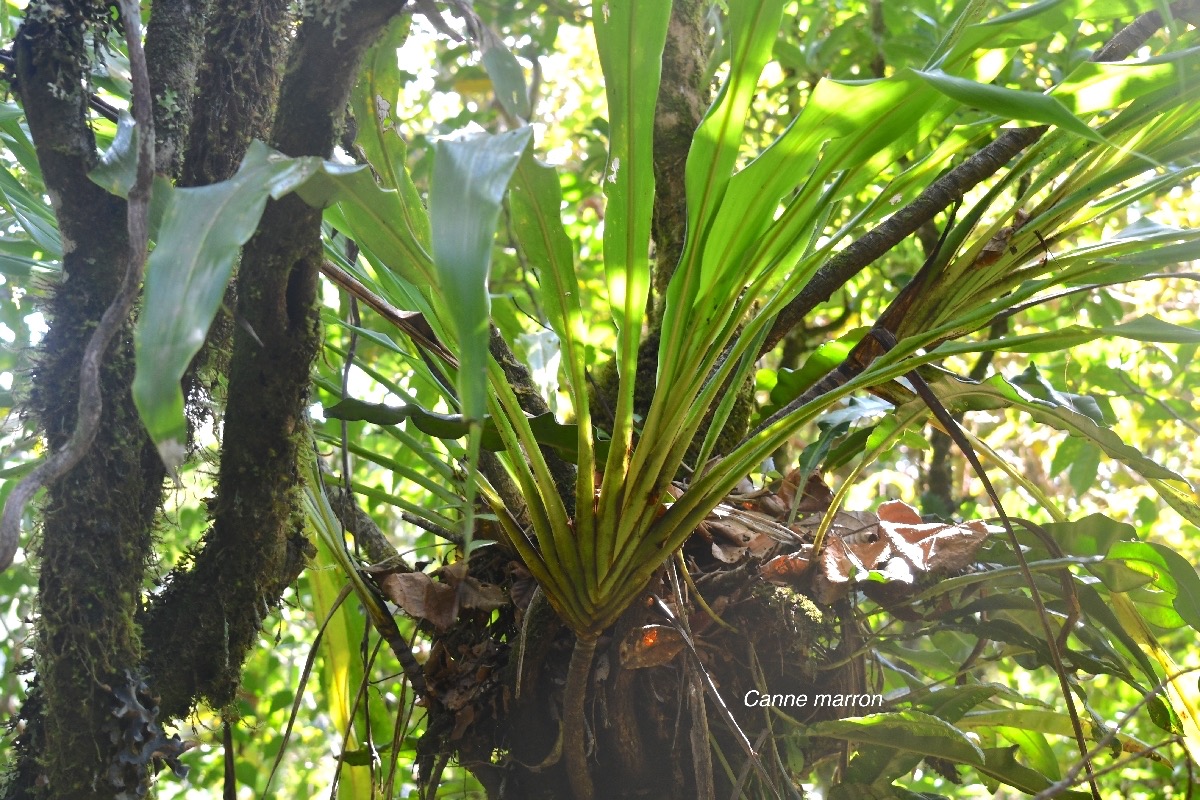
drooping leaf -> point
(202, 232)
(1168, 571)
(118, 164)
(1009, 103)
(999, 393)
(508, 78)
(792, 382)
(1000, 764)
(470, 177)
(886, 764)
(35, 217)
(913, 731)
(1099, 86)
(1048, 722)
(1181, 690)
(562, 438)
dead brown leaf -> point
(650, 646)
(421, 597)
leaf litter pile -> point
(760, 611)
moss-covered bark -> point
(174, 42)
(683, 97)
(256, 545)
(236, 87)
(95, 537)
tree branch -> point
(237, 86)
(256, 546)
(97, 516)
(174, 41)
(883, 237)
(683, 97)
(942, 192)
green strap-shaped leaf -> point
(754, 27)
(186, 275)
(911, 731)
(999, 393)
(1009, 103)
(535, 201)
(1098, 86)
(630, 35)
(470, 176)
(35, 216)
(117, 169)
(506, 74)
(374, 100)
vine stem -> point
(91, 402)
(574, 719)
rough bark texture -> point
(96, 521)
(683, 97)
(237, 86)
(237, 89)
(257, 545)
(174, 42)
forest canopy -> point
(760, 399)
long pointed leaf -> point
(202, 232)
(470, 176)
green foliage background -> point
(1144, 391)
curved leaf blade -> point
(470, 176)
(912, 731)
(202, 231)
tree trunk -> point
(95, 641)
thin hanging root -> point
(574, 719)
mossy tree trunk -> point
(98, 642)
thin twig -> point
(952, 429)
(1072, 774)
(91, 400)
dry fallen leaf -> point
(786, 569)
(421, 597)
(897, 545)
(650, 646)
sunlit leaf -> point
(1010, 103)
(913, 731)
(470, 177)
